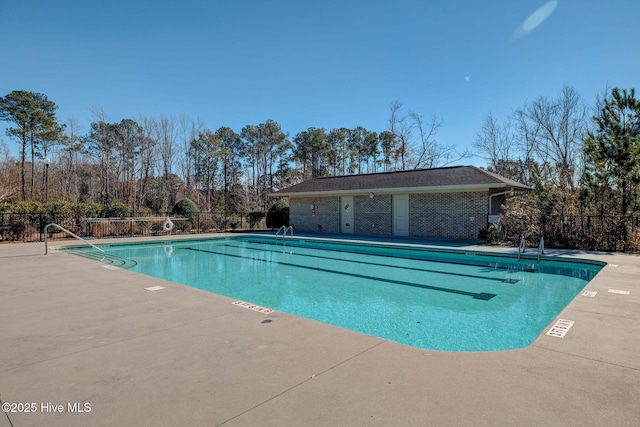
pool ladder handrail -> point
(284, 229)
(290, 230)
(540, 248)
(53, 224)
(521, 247)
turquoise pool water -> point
(447, 300)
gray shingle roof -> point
(454, 177)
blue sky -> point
(315, 64)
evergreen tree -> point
(101, 143)
(206, 156)
(612, 150)
(311, 151)
(230, 153)
(35, 119)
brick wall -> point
(447, 215)
(327, 214)
(372, 216)
(438, 215)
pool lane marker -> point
(484, 296)
(253, 307)
(473, 276)
(560, 329)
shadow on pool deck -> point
(74, 332)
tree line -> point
(582, 161)
(152, 162)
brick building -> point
(451, 202)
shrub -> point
(520, 218)
(278, 215)
(187, 209)
(255, 218)
(116, 210)
(36, 215)
(58, 212)
(490, 234)
(87, 210)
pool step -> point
(107, 259)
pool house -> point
(449, 202)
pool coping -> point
(76, 332)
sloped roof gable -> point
(454, 177)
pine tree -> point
(613, 155)
(35, 120)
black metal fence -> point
(20, 227)
(588, 232)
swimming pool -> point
(438, 299)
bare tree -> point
(428, 152)
(147, 159)
(166, 144)
(72, 147)
(129, 135)
(497, 144)
(416, 146)
(401, 129)
(188, 131)
(526, 135)
(554, 130)
(9, 187)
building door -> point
(401, 215)
(346, 214)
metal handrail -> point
(540, 248)
(53, 224)
(290, 228)
(283, 228)
(521, 247)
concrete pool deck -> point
(74, 332)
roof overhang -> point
(403, 190)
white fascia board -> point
(400, 190)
